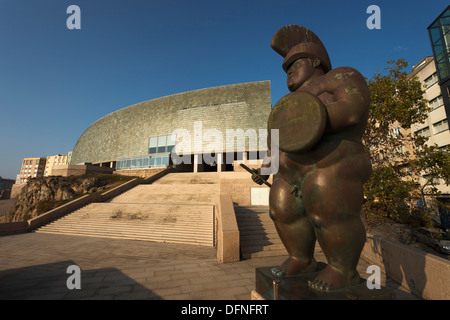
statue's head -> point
(301, 49)
(301, 70)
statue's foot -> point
(293, 266)
(331, 279)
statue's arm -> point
(350, 100)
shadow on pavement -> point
(49, 282)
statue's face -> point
(298, 72)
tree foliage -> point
(399, 157)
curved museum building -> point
(201, 130)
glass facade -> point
(439, 32)
(156, 161)
(159, 149)
(161, 144)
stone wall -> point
(238, 185)
(16, 190)
(424, 274)
(126, 132)
(76, 170)
(142, 173)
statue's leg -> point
(294, 228)
(333, 205)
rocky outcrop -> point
(41, 195)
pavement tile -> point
(33, 266)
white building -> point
(435, 127)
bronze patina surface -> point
(271, 287)
(317, 192)
(300, 118)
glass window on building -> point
(171, 140)
(440, 126)
(439, 33)
(436, 102)
(425, 132)
(143, 162)
(431, 80)
(152, 145)
(161, 144)
(443, 68)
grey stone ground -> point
(34, 265)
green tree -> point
(398, 156)
(433, 164)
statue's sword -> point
(253, 172)
(293, 189)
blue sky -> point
(55, 82)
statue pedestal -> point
(269, 287)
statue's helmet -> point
(293, 42)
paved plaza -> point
(34, 266)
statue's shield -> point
(300, 118)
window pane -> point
(158, 161)
(439, 50)
(151, 150)
(161, 149)
(145, 162)
(162, 141)
(165, 160)
(443, 69)
(435, 34)
(171, 140)
(153, 142)
(152, 162)
(128, 163)
(445, 21)
(139, 163)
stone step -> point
(197, 198)
(131, 225)
(190, 178)
(264, 254)
(126, 215)
(138, 223)
(144, 208)
(258, 235)
(251, 209)
(178, 208)
(259, 231)
(145, 205)
(266, 247)
(172, 221)
(151, 232)
(179, 188)
(265, 221)
(256, 225)
(156, 238)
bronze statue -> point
(317, 192)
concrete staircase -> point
(258, 236)
(178, 208)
